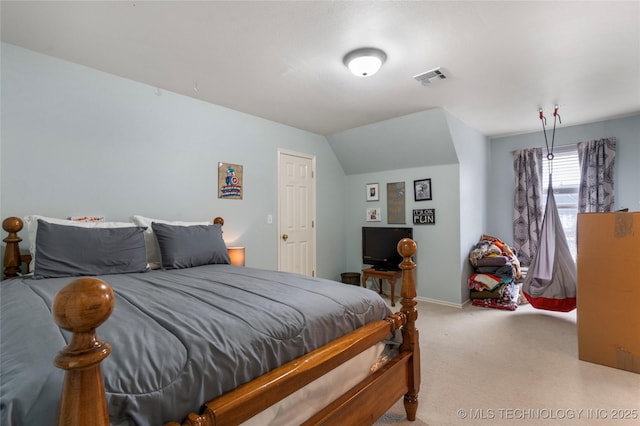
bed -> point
(318, 351)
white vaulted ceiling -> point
(283, 60)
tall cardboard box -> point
(609, 289)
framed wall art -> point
(230, 181)
(373, 192)
(395, 203)
(424, 216)
(373, 214)
(422, 189)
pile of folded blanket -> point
(494, 283)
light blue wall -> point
(78, 141)
(472, 149)
(501, 177)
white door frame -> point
(313, 250)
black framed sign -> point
(422, 189)
(424, 216)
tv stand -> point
(390, 276)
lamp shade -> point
(236, 254)
(365, 62)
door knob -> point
(285, 237)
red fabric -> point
(495, 304)
(546, 303)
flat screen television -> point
(380, 246)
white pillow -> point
(153, 248)
(32, 229)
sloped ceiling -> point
(414, 140)
(282, 60)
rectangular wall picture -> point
(373, 214)
(395, 202)
(372, 192)
(230, 181)
(424, 216)
(422, 189)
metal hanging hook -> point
(542, 117)
(555, 113)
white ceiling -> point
(283, 60)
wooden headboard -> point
(12, 263)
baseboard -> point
(443, 302)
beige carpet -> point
(490, 367)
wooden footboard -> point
(87, 302)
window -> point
(565, 169)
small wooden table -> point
(390, 276)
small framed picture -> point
(373, 214)
(373, 192)
(422, 189)
(424, 216)
(230, 181)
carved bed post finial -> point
(12, 259)
(81, 307)
(410, 337)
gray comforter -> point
(179, 338)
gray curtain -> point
(597, 158)
(527, 205)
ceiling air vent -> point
(430, 77)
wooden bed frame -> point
(85, 303)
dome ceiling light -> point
(365, 62)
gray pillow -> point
(188, 246)
(65, 251)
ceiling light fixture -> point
(364, 62)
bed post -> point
(410, 338)
(12, 259)
(81, 307)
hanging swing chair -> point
(551, 282)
